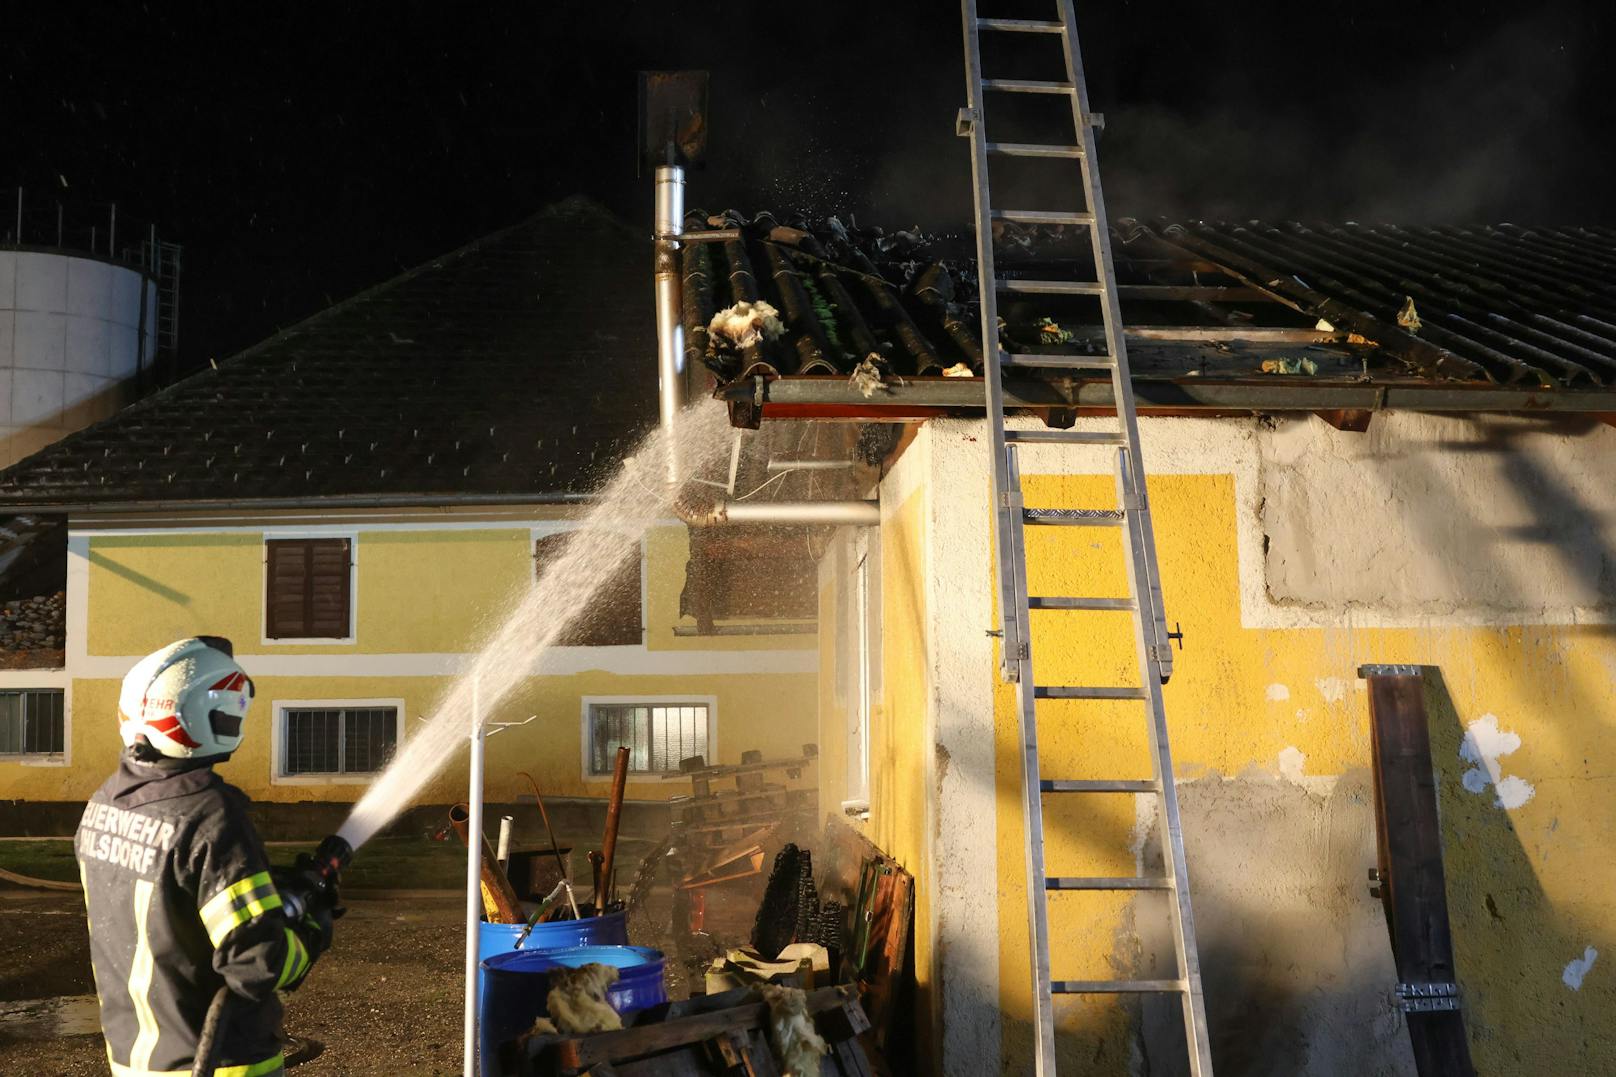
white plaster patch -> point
(1483, 745)
(1333, 689)
(1578, 967)
(1278, 693)
(1291, 764)
(1301, 714)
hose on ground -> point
(37, 884)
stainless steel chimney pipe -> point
(670, 214)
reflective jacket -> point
(180, 902)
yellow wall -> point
(1528, 889)
(419, 592)
(773, 713)
(900, 737)
(432, 591)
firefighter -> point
(176, 885)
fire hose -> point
(308, 887)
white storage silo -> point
(76, 332)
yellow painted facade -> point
(1528, 889)
(424, 597)
(1274, 711)
(899, 818)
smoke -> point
(1485, 136)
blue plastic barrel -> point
(517, 982)
(496, 939)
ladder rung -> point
(1109, 882)
(1053, 287)
(1116, 987)
(1026, 86)
(1034, 149)
(1043, 216)
(1090, 785)
(1068, 437)
(1059, 362)
(1021, 26)
(1044, 603)
(1073, 517)
(1085, 692)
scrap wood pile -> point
(719, 831)
(764, 1031)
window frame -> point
(552, 530)
(587, 703)
(44, 759)
(277, 740)
(348, 640)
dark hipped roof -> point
(518, 366)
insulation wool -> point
(796, 1045)
(746, 324)
(866, 376)
(577, 999)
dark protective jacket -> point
(180, 902)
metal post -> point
(670, 213)
(474, 880)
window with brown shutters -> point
(613, 617)
(308, 588)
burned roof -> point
(518, 366)
(1212, 312)
(521, 366)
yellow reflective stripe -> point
(140, 978)
(238, 903)
(255, 1069)
(297, 960)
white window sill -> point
(36, 760)
(317, 641)
(323, 779)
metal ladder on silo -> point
(1131, 516)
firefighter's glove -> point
(315, 931)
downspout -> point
(670, 212)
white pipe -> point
(777, 464)
(503, 853)
(474, 882)
(670, 213)
(855, 513)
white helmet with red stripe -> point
(187, 700)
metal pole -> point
(853, 513)
(670, 213)
(474, 881)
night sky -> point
(302, 153)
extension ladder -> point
(1131, 516)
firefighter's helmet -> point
(187, 700)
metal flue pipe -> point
(670, 213)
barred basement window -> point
(337, 740)
(307, 588)
(32, 722)
(658, 735)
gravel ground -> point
(385, 1000)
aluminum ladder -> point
(1131, 516)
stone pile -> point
(31, 624)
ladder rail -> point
(1116, 340)
(1196, 1035)
(1007, 514)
